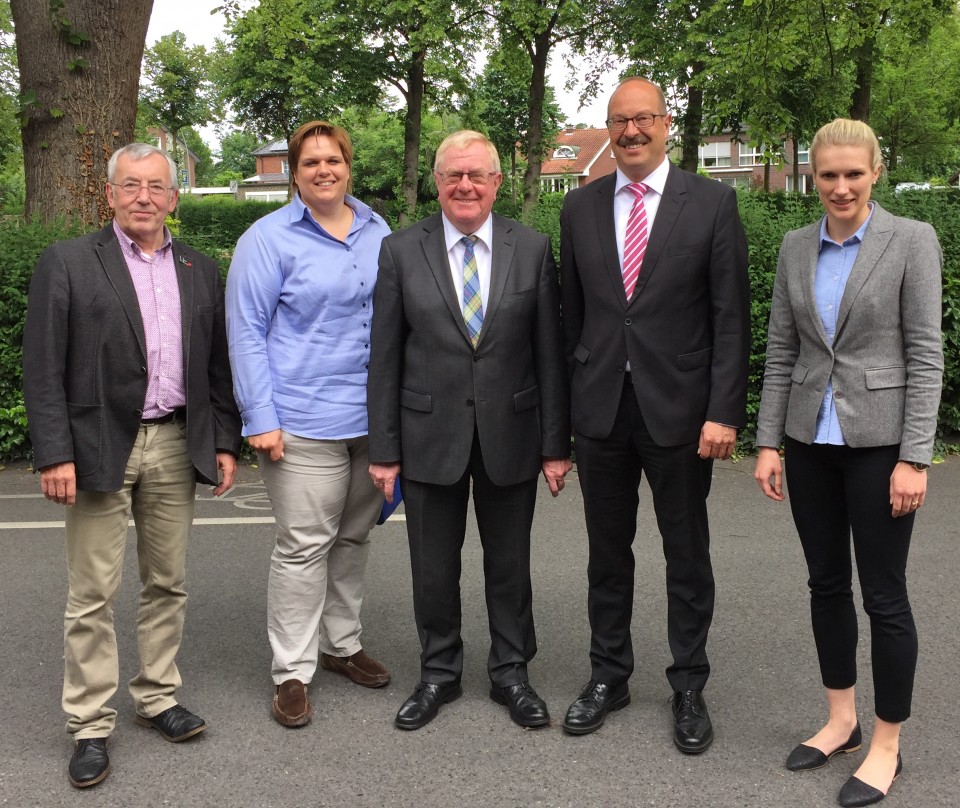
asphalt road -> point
(764, 694)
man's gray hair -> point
(137, 152)
(463, 139)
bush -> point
(20, 245)
(214, 225)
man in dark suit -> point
(129, 399)
(656, 325)
(467, 382)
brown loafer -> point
(291, 707)
(358, 668)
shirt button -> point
(364, 305)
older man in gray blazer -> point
(130, 402)
(468, 382)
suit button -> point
(476, 357)
(628, 321)
(469, 402)
(143, 369)
(619, 368)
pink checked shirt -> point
(155, 280)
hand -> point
(716, 441)
(227, 464)
(908, 489)
(554, 470)
(268, 442)
(769, 473)
(384, 477)
(59, 483)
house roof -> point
(586, 143)
(273, 147)
(267, 179)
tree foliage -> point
(177, 90)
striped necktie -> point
(635, 241)
(472, 305)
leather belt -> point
(179, 414)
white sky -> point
(193, 18)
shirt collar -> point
(655, 180)
(362, 213)
(484, 233)
(858, 236)
(129, 245)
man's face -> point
(466, 203)
(141, 215)
(638, 151)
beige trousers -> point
(325, 505)
(158, 489)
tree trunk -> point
(412, 125)
(692, 124)
(796, 165)
(538, 84)
(860, 100)
(79, 100)
(766, 176)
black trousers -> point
(835, 490)
(436, 523)
(610, 471)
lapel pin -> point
(184, 261)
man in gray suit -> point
(130, 402)
(468, 382)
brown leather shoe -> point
(291, 707)
(358, 668)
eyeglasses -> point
(155, 189)
(642, 121)
(475, 177)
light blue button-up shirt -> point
(299, 306)
(833, 270)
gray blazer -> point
(886, 361)
(429, 389)
(85, 367)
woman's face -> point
(844, 178)
(321, 173)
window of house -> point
(564, 153)
(714, 155)
(751, 155)
(557, 185)
(284, 167)
(805, 183)
(735, 182)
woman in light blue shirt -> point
(299, 305)
(852, 387)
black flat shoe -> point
(588, 712)
(855, 793)
(89, 763)
(692, 729)
(175, 724)
(806, 758)
(526, 708)
(422, 707)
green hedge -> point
(214, 225)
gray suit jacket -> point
(429, 389)
(886, 361)
(85, 367)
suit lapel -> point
(111, 257)
(807, 258)
(185, 281)
(671, 203)
(874, 244)
(607, 234)
(502, 248)
(435, 251)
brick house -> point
(732, 160)
(271, 183)
(579, 157)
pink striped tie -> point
(635, 242)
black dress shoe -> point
(526, 707)
(590, 709)
(805, 758)
(856, 793)
(692, 730)
(89, 763)
(422, 707)
(174, 724)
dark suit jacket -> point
(685, 331)
(428, 388)
(85, 367)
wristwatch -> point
(919, 466)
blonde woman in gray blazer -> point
(852, 387)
